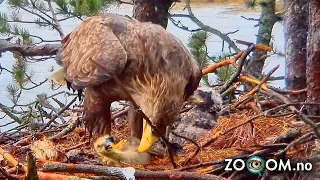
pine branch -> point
(29, 50)
(42, 12)
(6, 110)
(207, 28)
(43, 18)
(55, 19)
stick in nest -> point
(239, 69)
(255, 89)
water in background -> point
(218, 17)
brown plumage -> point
(154, 66)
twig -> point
(250, 19)
(121, 113)
(259, 47)
(293, 143)
(138, 109)
(210, 163)
(8, 175)
(255, 89)
(56, 115)
(66, 130)
(76, 146)
(12, 160)
(58, 26)
(4, 125)
(46, 104)
(192, 141)
(287, 91)
(304, 118)
(178, 24)
(215, 66)
(241, 63)
(6, 110)
(41, 17)
(123, 173)
(207, 28)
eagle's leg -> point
(135, 122)
(97, 116)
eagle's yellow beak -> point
(195, 99)
(58, 77)
(147, 138)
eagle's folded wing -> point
(92, 39)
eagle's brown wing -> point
(92, 39)
(195, 70)
(194, 79)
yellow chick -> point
(123, 152)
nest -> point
(246, 138)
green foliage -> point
(13, 92)
(83, 7)
(18, 3)
(253, 3)
(250, 3)
(63, 6)
(225, 73)
(264, 3)
(19, 70)
(4, 25)
(198, 48)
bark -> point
(313, 56)
(296, 32)
(126, 173)
(28, 50)
(267, 19)
(154, 11)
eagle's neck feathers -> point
(160, 95)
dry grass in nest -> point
(261, 131)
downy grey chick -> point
(199, 120)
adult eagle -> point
(154, 66)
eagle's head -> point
(160, 97)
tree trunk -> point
(267, 19)
(154, 11)
(296, 32)
(313, 57)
